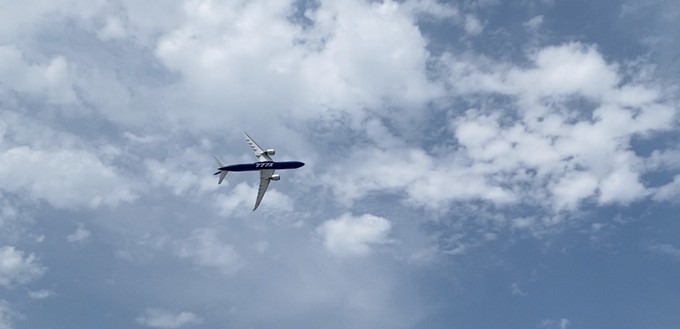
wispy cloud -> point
(517, 291)
(666, 250)
(554, 324)
(164, 319)
(40, 294)
(204, 248)
(7, 315)
(80, 235)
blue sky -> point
(469, 164)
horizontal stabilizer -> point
(223, 173)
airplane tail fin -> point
(219, 163)
(222, 173)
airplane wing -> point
(265, 175)
(259, 152)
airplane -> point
(265, 165)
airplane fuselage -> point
(265, 165)
(276, 165)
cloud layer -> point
(452, 151)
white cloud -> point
(554, 324)
(375, 53)
(40, 294)
(354, 55)
(431, 8)
(8, 214)
(29, 16)
(241, 198)
(451, 181)
(64, 178)
(668, 192)
(664, 159)
(426, 180)
(562, 136)
(622, 186)
(181, 174)
(667, 250)
(571, 189)
(534, 23)
(80, 235)
(163, 319)
(144, 22)
(7, 315)
(204, 248)
(566, 69)
(554, 133)
(473, 25)
(376, 170)
(51, 80)
(349, 235)
(516, 290)
(113, 29)
(580, 155)
(17, 267)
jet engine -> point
(275, 177)
(270, 152)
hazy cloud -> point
(51, 80)
(554, 324)
(534, 23)
(7, 315)
(473, 25)
(40, 294)
(516, 290)
(160, 318)
(64, 178)
(204, 248)
(666, 249)
(81, 234)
